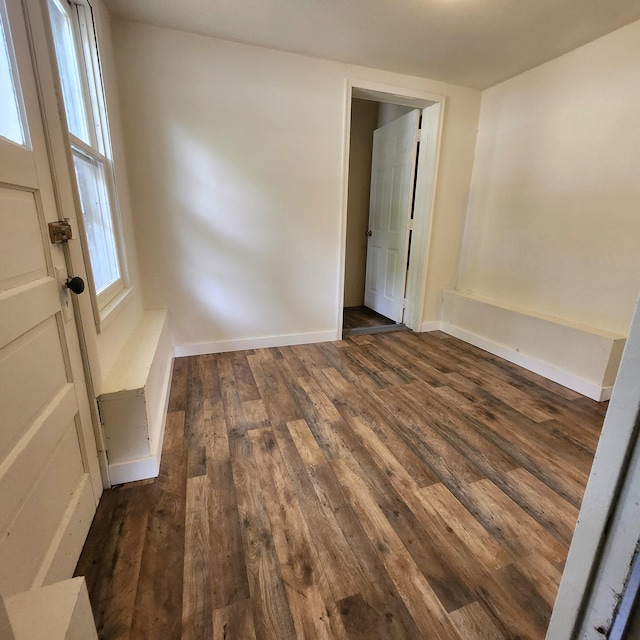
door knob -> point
(369, 233)
(75, 284)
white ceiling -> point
(474, 43)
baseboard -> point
(434, 325)
(254, 343)
(132, 470)
(564, 378)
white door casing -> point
(608, 528)
(49, 473)
(392, 182)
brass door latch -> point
(59, 231)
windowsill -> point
(111, 310)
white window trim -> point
(107, 304)
(19, 97)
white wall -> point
(389, 112)
(236, 165)
(554, 219)
(364, 121)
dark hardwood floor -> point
(360, 317)
(391, 486)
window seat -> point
(134, 400)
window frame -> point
(7, 43)
(85, 40)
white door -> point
(392, 179)
(49, 474)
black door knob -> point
(76, 284)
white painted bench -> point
(580, 357)
(134, 400)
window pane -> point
(67, 56)
(10, 120)
(97, 220)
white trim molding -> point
(434, 325)
(244, 344)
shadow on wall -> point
(230, 258)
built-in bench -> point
(575, 355)
(134, 400)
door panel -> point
(20, 263)
(32, 371)
(57, 479)
(392, 178)
(48, 459)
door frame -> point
(432, 106)
(604, 543)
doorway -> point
(373, 110)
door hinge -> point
(60, 231)
(418, 135)
(404, 303)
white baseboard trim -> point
(564, 378)
(132, 470)
(434, 325)
(254, 343)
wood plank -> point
(351, 404)
(516, 531)
(414, 589)
(119, 545)
(227, 568)
(305, 443)
(158, 599)
(459, 551)
(278, 403)
(474, 622)
(196, 604)
(303, 574)
(271, 614)
(453, 427)
(380, 593)
(340, 565)
(445, 460)
(245, 382)
(442, 504)
(234, 622)
(549, 509)
(255, 415)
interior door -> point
(49, 473)
(392, 178)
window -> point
(10, 106)
(83, 96)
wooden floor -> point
(386, 486)
(358, 317)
